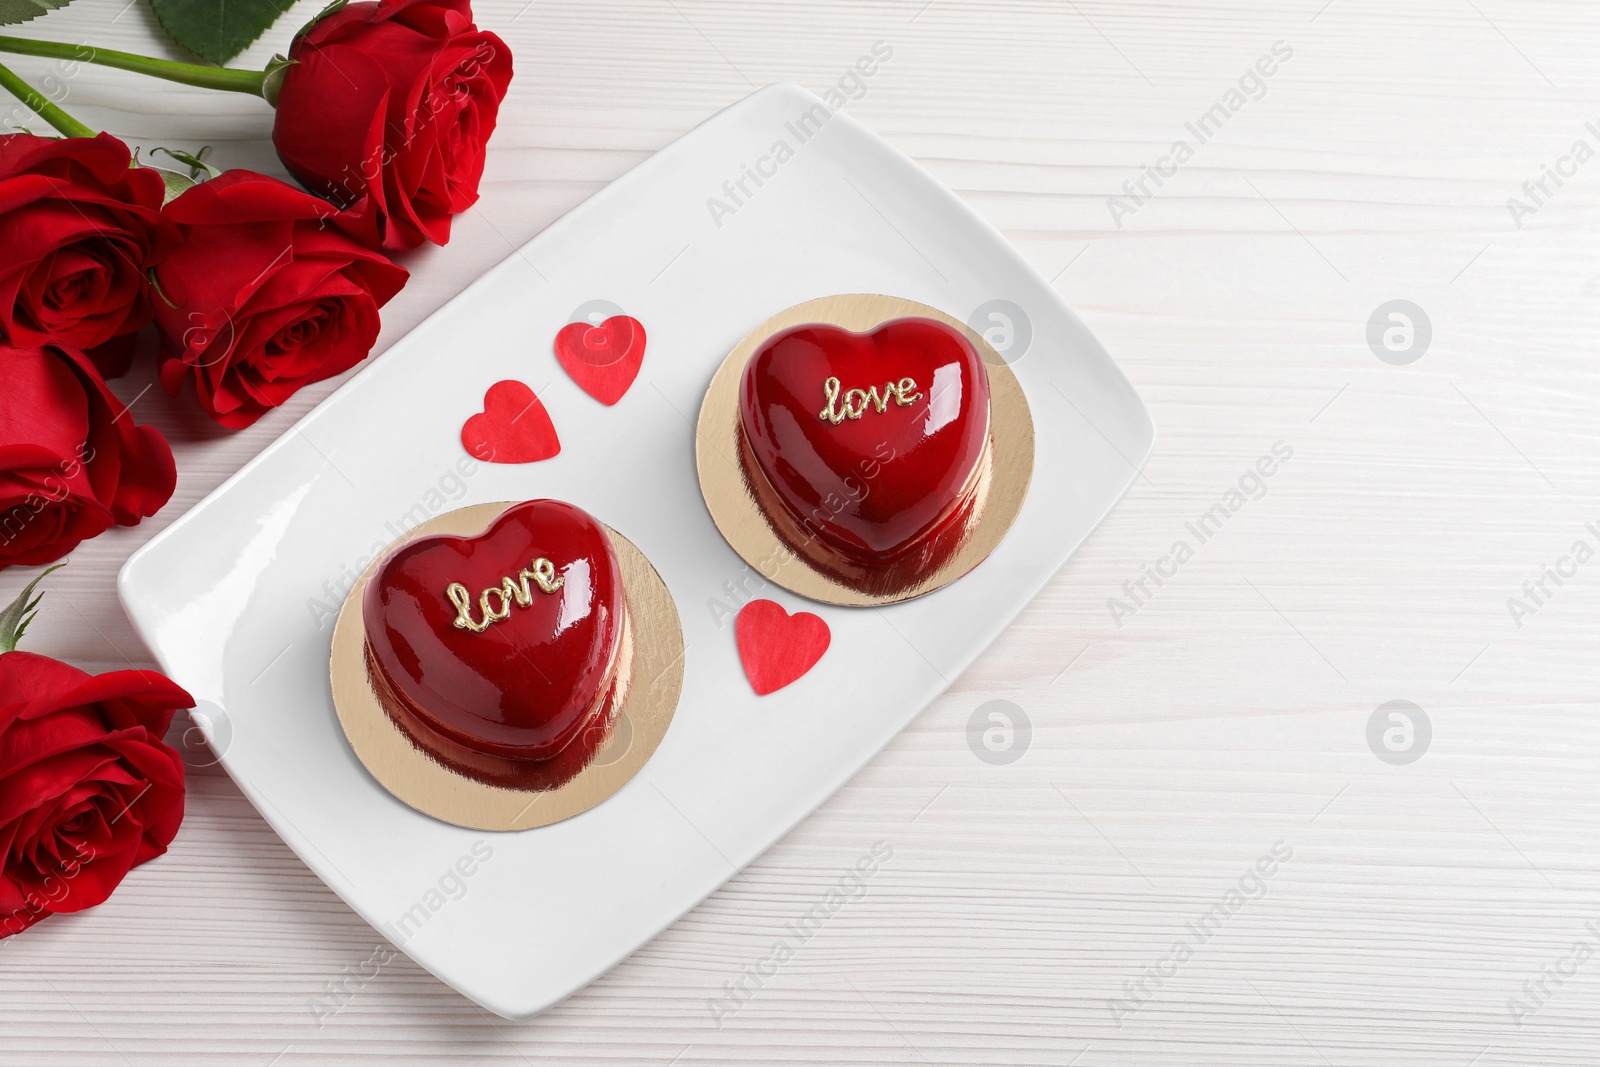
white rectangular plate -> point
(235, 599)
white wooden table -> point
(1031, 911)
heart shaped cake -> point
(867, 451)
(503, 655)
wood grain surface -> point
(1031, 912)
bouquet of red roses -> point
(253, 286)
(249, 287)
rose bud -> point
(79, 228)
(72, 461)
(393, 102)
(264, 295)
(88, 789)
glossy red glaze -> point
(527, 685)
(520, 774)
(874, 486)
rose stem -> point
(237, 81)
(41, 106)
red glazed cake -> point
(504, 656)
(868, 452)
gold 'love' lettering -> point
(540, 572)
(854, 403)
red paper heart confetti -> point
(513, 427)
(604, 360)
(775, 647)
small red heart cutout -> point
(604, 360)
(775, 647)
(513, 427)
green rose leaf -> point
(23, 10)
(177, 184)
(211, 29)
(15, 616)
(195, 161)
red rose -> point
(393, 101)
(88, 790)
(264, 295)
(78, 228)
(72, 461)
